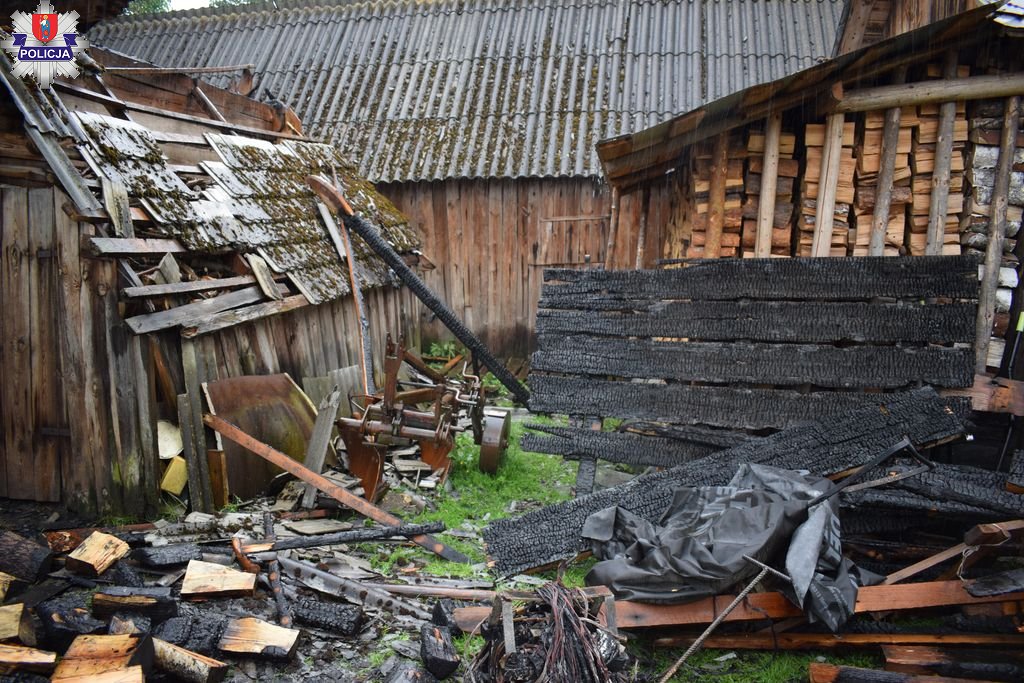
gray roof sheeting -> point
(480, 88)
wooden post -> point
(940, 173)
(641, 238)
(886, 174)
(613, 228)
(996, 232)
(769, 185)
(716, 199)
(202, 499)
(831, 156)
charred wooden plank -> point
(887, 367)
(684, 404)
(23, 558)
(194, 634)
(94, 655)
(837, 279)
(634, 449)
(168, 555)
(831, 445)
(122, 624)
(15, 658)
(830, 673)
(66, 617)
(769, 321)
(156, 603)
(966, 663)
(437, 651)
(330, 616)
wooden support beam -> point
(128, 246)
(831, 156)
(769, 184)
(939, 204)
(857, 13)
(641, 237)
(613, 228)
(202, 496)
(996, 230)
(716, 198)
(205, 102)
(360, 505)
(886, 174)
(928, 92)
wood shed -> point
(158, 237)
(900, 146)
(479, 118)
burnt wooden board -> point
(834, 279)
(634, 449)
(735, 408)
(830, 445)
(770, 321)
(887, 367)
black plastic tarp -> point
(697, 549)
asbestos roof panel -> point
(485, 88)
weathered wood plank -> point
(887, 367)
(831, 157)
(831, 445)
(127, 246)
(837, 279)
(773, 321)
(886, 173)
(221, 320)
(684, 404)
(187, 314)
(769, 182)
(16, 405)
(174, 288)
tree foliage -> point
(148, 6)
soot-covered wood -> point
(834, 279)
(771, 321)
(634, 449)
(684, 404)
(887, 367)
(830, 445)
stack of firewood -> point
(869, 160)
(788, 170)
(814, 140)
(926, 135)
(702, 171)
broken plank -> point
(220, 320)
(187, 314)
(358, 504)
(22, 558)
(350, 536)
(780, 364)
(96, 554)
(210, 580)
(168, 555)
(251, 636)
(777, 606)
(177, 288)
(319, 442)
(437, 650)
(20, 658)
(769, 321)
(829, 673)
(187, 665)
(125, 246)
(968, 663)
(829, 641)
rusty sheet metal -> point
(274, 410)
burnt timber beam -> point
(838, 279)
(888, 367)
(768, 321)
(831, 445)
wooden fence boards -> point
(887, 367)
(837, 279)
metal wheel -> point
(494, 441)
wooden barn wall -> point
(78, 405)
(490, 241)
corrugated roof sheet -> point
(485, 88)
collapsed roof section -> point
(201, 188)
